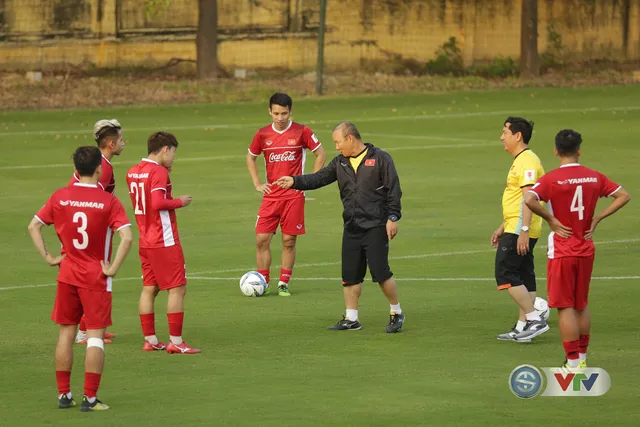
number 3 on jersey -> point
(138, 191)
(80, 218)
(576, 203)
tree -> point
(207, 39)
(529, 57)
(206, 36)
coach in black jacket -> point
(370, 193)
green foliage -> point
(498, 67)
(448, 60)
(155, 6)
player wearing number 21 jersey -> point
(163, 265)
(572, 192)
(83, 215)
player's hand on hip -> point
(392, 229)
(107, 269)
(589, 234)
(523, 243)
(264, 188)
(54, 261)
(560, 229)
(285, 182)
(496, 236)
(186, 200)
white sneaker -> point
(81, 336)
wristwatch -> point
(393, 218)
(524, 228)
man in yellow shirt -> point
(517, 235)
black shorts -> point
(363, 247)
(513, 269)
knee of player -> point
(263, 242)
(289, 243)
(179, 291)
(95, 342)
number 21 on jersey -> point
(137, 189)
(576, 203)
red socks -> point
(571, 349)
(285, 275)
(64, 381)
(265, 273)
(148, 322)
(584, 343)
(91, 384)
(175, 323)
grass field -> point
(270, 361)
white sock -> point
(395, 308)
(520, 325)
(573, 363)
(153, 339)
(583, 356)
(533, 316)
(352, 315)
(91, 399)
(69, 395)
(175, 340)
(286, 285)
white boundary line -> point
(198, 275)
(238, 156)
(419, 279)
(360, 119)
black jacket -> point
(369, 197)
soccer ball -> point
(542, 307)
(253, 284)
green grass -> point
(270, 361)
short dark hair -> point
(106, 135)
(281, 99)
(568, 142)
(349, 128)
(522, 125)
(86, 160)
(161, 139)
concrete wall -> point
(282, 33)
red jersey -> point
(107, 180)
(84, 217)
(572, 192)
(284, 154)
(158, 227)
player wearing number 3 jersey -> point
(163, 265)
(83, 215)
(572, 192)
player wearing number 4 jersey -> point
(163, 266)
(108, 136)
(283, 144)
(572, 192)
(83, 216)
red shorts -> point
(288, 213)
(164, 267)
(568, 281)
(72, 302)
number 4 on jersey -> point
(576, 203)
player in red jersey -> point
(163, 265)
(83, 216)
(108, 136)
(572, 192)
(283, 144)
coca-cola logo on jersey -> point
(287, 156)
